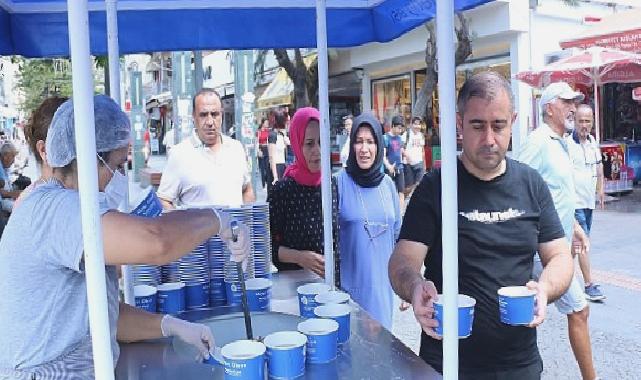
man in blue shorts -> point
(393, 158)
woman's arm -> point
(135, 324)
(307, 259)
(131, 239)
(271, 148)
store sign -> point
(636, 93)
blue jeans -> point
(584, 217)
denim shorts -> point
(584, 217)
(573, 300)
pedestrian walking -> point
(370, 220)
(207, 168)
(262, 137)
(547, 150)
(505, 215)
(415, 156)
(393, 157)
(588, 181)
(347, 131)
(278, 143)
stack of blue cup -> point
(194, 273)
(261, 237)
(146, 275)
(217, 294)
(149, 206)
(169, 272)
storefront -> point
(620, 111)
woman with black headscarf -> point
(369, 221)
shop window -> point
(391, 97)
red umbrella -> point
(593, 66)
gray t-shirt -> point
(44, 317)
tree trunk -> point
(299, 75)
(107, 84)
(423, 106)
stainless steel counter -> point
(371, 353)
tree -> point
(41, 78)
(304, 78)
(423, 105)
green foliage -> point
(41, 78)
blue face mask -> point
(117, 187)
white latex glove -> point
(240, 249)
(196, 334)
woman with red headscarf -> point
(296, 219)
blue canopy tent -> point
(50, 28)
(38, 28)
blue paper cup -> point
(333, 296)
(285, 354)
(465, 315)
(145, 297)
(149, 207)
(341, 314)
(307, 297)
(171, 297)
(322, 339)
(259, 293)
(196, 296)
(244, 359)
(234, 293)
(217, 293)
(516, 305)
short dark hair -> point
(36, 128)
(416, 118)
(280, 118)
(204, 91)
(485, 85)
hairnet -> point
(111, 126)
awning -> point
(158, 100)
(620, 31)
(279, 91)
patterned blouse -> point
(296, 221)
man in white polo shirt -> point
(208, 168)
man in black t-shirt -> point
(505, 215)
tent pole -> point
(78, 19)
(597, 117)
(326, 169)
(113, 52)
(447, 95)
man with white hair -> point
(8, 153)
(547, 150)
